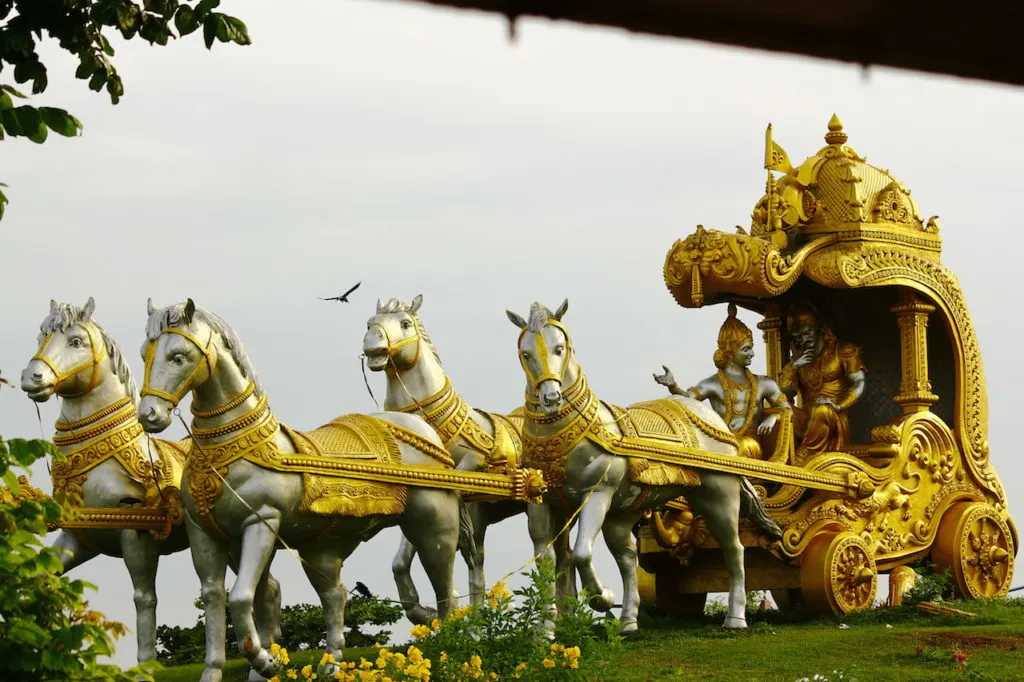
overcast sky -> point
(415, 149)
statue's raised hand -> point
(768, 424)
(665, 379)
(805, 358)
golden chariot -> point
(915, 480)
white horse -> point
(397, 343)
(571, 436)
(239, 497)
(108, 457)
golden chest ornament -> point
(449, 414)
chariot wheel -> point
(976, 543)
(838, 574)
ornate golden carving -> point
(893, 205)
(838, 574)
(975, 542)
(877, 265)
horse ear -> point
(88, 309)
(379, 307)
(190, 310)
(562, 309)
(515, 319)
(416, 303)
(53, 306)
(150, 308)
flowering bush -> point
(496, 639)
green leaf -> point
(203, 7)
(41, 133)
(210, 27)
(237, 31)
(3, 197)
(10, 121)
(11, 479)
(12, 91)
(5, 100)
(60, 121)
(185, 20)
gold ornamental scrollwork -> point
(876, 266)
(710, 261)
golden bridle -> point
(99, 353)
(209, 355)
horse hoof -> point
(264, 663)
(603, 601)
(421, 615)
(733, 623)
(256, 677)
(630, 628)
(212, 675)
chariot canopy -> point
(848, 238)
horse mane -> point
(174, 316)
(65, 316)
(393, 305)
(539, 316)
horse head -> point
(393, 335)
(75, 356)
(546, 355)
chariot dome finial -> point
(835, 134)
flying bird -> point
(344, 297)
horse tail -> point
(752, 507)
(467, 541)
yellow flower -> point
(458, 613)
(364, 664)
(548, 663)
(435, 625)
(555, 648)
(275, 649)
(572, 653)
(400, 660)
(420, 631)
(475, 661)
(292, 675)
(415, 655)
(522, 666)
(326, 658)
(275, 678)
(574, 663)
(498, 591)
(444, 657)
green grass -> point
(784, 647)
(237, 670)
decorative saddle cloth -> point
(651, 430)
(351, 437)
(323, 457)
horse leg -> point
(592, 517)
(618, 535)
(259, 536)
(478, 512)
(72, 552)
(141, 558)
(432, 517)
(540, 522)
(566, 577)
(718, 502)
(401, 567)
(210, 559)
(267, 608)
(323, 569)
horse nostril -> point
(37, 376)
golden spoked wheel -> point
(975, 542)
(838, 574)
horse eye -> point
(406, 324)
(559, 350)
(178, 359)
(76, 343)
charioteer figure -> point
(829, 376)
(734, 392)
